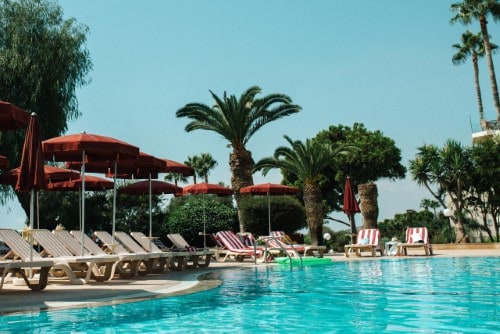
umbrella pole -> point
(150, 216)
(30, 231)
(82, 218)
(204, 224)
(269, 211)
(114, 205)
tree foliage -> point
(43, 60)
(376, 157)
(468, 176)
(287, 214)
(187, 218)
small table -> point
(391, 248)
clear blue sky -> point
(386, 64)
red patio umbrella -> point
(150, 187)
(52, 174)
(91, 183)
(4, 162)
(269, 189)
(31, 176)
(206, 188)
(144, 166)
(351, 206)
(12, 117)
(88, 147)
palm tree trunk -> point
(369, 205)
(487, 47)
(478, 91)
(241, 165)
(314, 212)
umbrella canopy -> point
(269, 189)
(177, 167)
(137, 167)
(351, 206)
(52, 174)
(143, 188)
(4, 162)
(12, 117)
(206, 188)
(91, 183)
(94, 147)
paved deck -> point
(60, 295)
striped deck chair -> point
(234, 248)
(366, 241)
(416, 237)
(301, 248)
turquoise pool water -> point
(428, 295)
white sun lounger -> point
(158, 261)
(20, 249)
(128, 264)
(196, 254)
(100, 268)
(180, 258)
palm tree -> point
(176, 178)
(429, 203)
(471, 10)
(307, 161)
(206, 163)
(237, 120)
(447, 168)
(472, 46)
(194, 163)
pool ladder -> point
(286, 251)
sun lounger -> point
(100, 268)
(366, 241)
(180, 258)
(416, 237)
(128, 264)
(144, 262)
(307, 250)
(196, 254)
(234, 248)
(16, 268)
(20, 249)
(157, 261)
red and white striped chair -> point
(416, 237)
(366, 241)
(233, 247)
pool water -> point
(427, 295)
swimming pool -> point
(427, 295)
